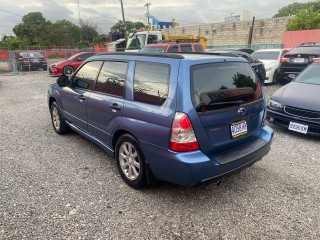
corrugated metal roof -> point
(292, 39)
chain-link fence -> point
(252, 46)
(9, 60)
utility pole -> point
(124, 22)
(251, 31)
(148, 13)
(79, 12)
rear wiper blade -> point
(226, 103)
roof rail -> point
(162, 55)
(309, 44)
(178, 41)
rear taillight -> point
(316, 59)
(283, 59)
(183, 138)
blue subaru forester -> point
(181, 118)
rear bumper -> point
(284, 120)
(192, 168)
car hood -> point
(299, 95)
(268, 63)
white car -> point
(271, 60)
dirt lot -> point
(65, 187)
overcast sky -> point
(105, 13)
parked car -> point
(256, 65)
(181, 118)
(271, 60)
(68, 66)
(173, 46)
(246, 50)
(31, 61)
(296, 106)
(297, 59)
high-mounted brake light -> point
(183, 138)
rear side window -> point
(152, 39)
(223, 85)
(111, 79)
(185, 48)
(151, 82)
(198, 48)
(87, 75)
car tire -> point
(45, 68)
(275, 78)
(130, 162)
(58, 123)
(68, 71)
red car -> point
(68, 66)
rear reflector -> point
(283, 59)
(183, 138)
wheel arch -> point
(117, 135)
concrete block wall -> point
(266, 31)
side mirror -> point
(62, 81)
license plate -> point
(239, 128)
(298, 60)
(298, 127)
(35, 60)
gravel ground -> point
(65, 187)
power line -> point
(10, 13)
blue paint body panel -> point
(219, 153)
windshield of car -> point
(222, 85)
(153, 49)
(310, 75)
(137, 41)
(272, 55)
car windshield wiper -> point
(226, 103)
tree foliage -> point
(294, 8)
(305, 20)
(130, 26)
(36, 30)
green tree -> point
(130, 26)
(34, 29)
(64, 33)
(305, 20)
(88, 31)
(294, 8)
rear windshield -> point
(303, 50)
(31, 54)
(272, 55)
(310, 75)
(223, 85)
(153, 49)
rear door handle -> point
(82, 97)
(115, 106)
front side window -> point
(152, 39)
(87, 75)
(151, 82)
(222, 85)
(112, 78)
(137, 41)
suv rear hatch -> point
(229, 104)
(299, 58)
